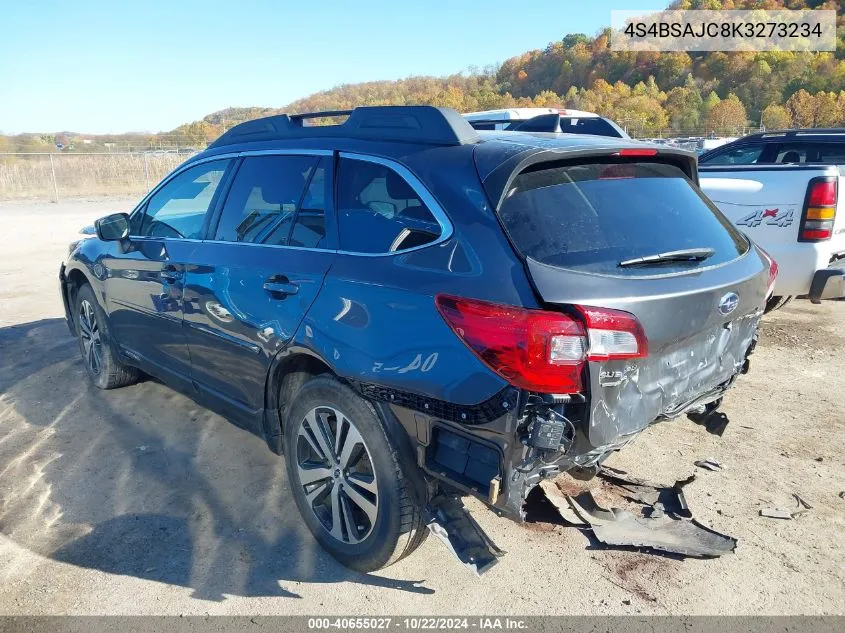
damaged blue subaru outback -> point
(411, 311)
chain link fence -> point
(64, 175)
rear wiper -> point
(685, 255)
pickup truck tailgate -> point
(767, 202)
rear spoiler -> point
(498, 181)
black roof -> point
(413, 124)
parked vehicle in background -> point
(545, 120)
(411, 310)
(785, 191)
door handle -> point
(280, 286)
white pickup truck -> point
(785, 190)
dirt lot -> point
(137, 501)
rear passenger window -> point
(825, 153)
(378, 211)
(264, 198)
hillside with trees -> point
(649, 93)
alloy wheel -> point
(336, 474)
(89, 332)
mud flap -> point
(449, 520)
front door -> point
(248, 287)
(146, 276)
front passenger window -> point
(178, 209)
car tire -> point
(95, 344)
(776, 303)
(355, 499)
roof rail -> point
(414, 124)
(819, 131)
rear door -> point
(248, 286)
(584, 228)
(145, 280)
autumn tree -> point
(802, 109)
(776, 117)
(710, 101)
(683, 106)
(828, 113)
(728, 116)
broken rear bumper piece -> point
(501, 454)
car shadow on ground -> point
(143, 482)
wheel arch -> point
(295, 366)
(289, 370)
(75, 278)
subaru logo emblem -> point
(728, 303)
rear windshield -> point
(592, 217)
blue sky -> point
(109, 67)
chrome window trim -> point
(446, 228)
(287, 152)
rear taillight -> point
(538, 350)
(819, 210)
(613, 334)
(773, 271)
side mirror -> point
(113, 227)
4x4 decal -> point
(773, 217)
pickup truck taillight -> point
(540, 350)
(819, 210)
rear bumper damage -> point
(499, 450)
(500, 459)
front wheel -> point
(346, 478)
(92, 331)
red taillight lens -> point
(531, 349)
(773, 271)
(816, 234)
(822, 194)
(538, 350)
(613, 334)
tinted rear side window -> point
(591, 217)
(378, 211)
(825, 153)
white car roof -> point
(520, 114)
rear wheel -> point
(776, 303)
(101, 363)
(346, 478)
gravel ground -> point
(137, 501)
